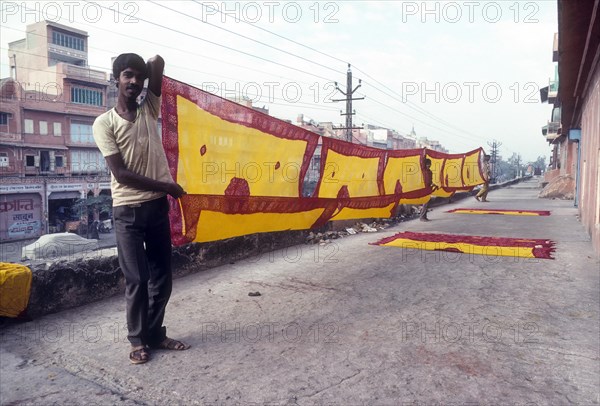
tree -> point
(90, 208)
(516, 164)
(503, 170)
(539, 165)
(101, 204)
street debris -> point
(407, 212)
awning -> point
(64, 195)
(40, 146)
(44, 146)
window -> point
(29, 161)
(86, 96)
(87, 161)
(82, 133)
(3, 159)
(44, 162)
(66, 40)
(28, 126)
(4, 118)
(57, 129)
(43, 128)
(59, 161)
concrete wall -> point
(569, 158)
(551, 174)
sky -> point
(464, 73)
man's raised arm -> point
(155, 67)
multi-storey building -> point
(48, 158)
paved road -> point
(346, 324)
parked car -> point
(52, 246)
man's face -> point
(131, 83)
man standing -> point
(128, 138)
(428, 180)
(487, 174)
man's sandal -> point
(171, 344)
(139, 355)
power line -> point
(248, 38)
(387, 94)
(414, 118)
(410, 105)
(216, 44)
(275, 34)
(416, 108)
(153, 43)
(202, 85)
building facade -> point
(579, 98)
(48, 158)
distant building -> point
(424, 142)
(48, 157)
(563, 158)
(246, 101)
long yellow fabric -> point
(246, 172)
(488, 250)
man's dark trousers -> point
(144, 249)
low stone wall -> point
(63, 284)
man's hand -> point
(175, 190)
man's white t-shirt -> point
(139, 144)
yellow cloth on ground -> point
(15, 286)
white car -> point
(58, 245)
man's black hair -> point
(125, 61)
(427, 161)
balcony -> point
(552, 131)
(83, 73)
(66, 54)
(552, 91)
(84, 109)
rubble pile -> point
(562, 187)
(322, 238)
